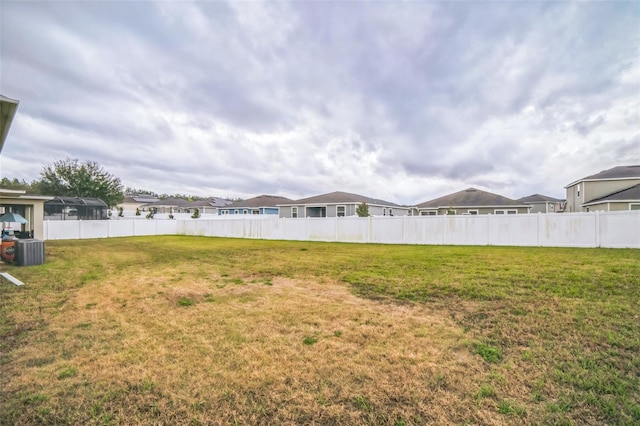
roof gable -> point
(339, 197)
(172, 202)
(538, 198)
(209, 202)
(261, 201)
(619, 172)
(470, 197)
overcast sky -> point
(403, 101)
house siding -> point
(573, 202)
(480, 210)
(285, 211)
(593, 190)
(599, 189)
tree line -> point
(73, 178)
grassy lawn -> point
(193, 330)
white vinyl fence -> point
(596, 229)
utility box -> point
(29, 252)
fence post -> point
(404, 229)
(597, 228)
(444, 229)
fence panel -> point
(94, 228)
(387, 230)
(321, 229)
(568, 230)
(599, 229)
(423, 229)
(61, 230)
(620, 230)
(466, 230)
(353, 229)
(513, 230)
(294, 229)
(121, 228)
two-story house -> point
(610, 190)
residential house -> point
(167, 205)
(31, 207)
(339, 204)
(609, 190)
(262, 204)
(136, 201)
(543, 204)
(207, 206)
(471, 201)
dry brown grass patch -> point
(238, 353)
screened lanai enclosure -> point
(75, 208)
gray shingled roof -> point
(172, 202)
(260, 201)
(470, 197)
(209, 202)
(629, 194)
(341, 197)
(619, 172)
(140, 199)
(538, 198)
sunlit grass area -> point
(193, 330)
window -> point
(341, 211)
(225, 211)
(390, 212)
(294, 212)
(509, 211)
(255, 211)
(473, 212)
(578, 191)
(634, 206)
(429, 213)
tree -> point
(362, 210)
(196, 214)
(70, 177)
